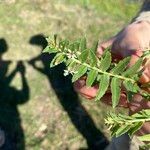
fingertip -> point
(135, 55)
(87, 92)
(99, 51)
(145, 78)
(78, 85)
(104, 45)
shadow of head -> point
(38, 40)
(3, 46)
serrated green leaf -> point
(146, 53)
(137, 76)
(145, 138)
(135, 128)
(138, 115)
(46, 50)
(115, 90)
(132, 87)
(106, 51)
(50, 50)
(52, 64)
(122, 130)
(59, 58)
(98, 77)
(146, 112)
(136, 88)
(124, 117)
(103, 86)
(91, 77)
(72, 65)
(128, 85)
(121, 66)
(84, 55)
(106, 61)
(93, 58)
(133, 69)
(114, 130)
(63, 44)
(144, 147)
(68, 61)
(80, 72)
(142, 114)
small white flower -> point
(74, 56)
(73, 72)
(69, 55)
(66, 72)
(69, 71)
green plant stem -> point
(103, 72)
(134, 121)
(98, 70)
(107, 73)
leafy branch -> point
(82, 61)
(108, 74)
(120, 124)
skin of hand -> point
(131, 41)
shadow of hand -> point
(21, 67)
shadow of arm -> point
(33, 61)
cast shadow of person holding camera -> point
(11, 132)
(68, 97)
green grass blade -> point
(84, 55)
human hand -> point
(131, 41)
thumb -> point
(104, 45)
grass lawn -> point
(47, 114)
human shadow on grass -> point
(11, 132)
(67, 97)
